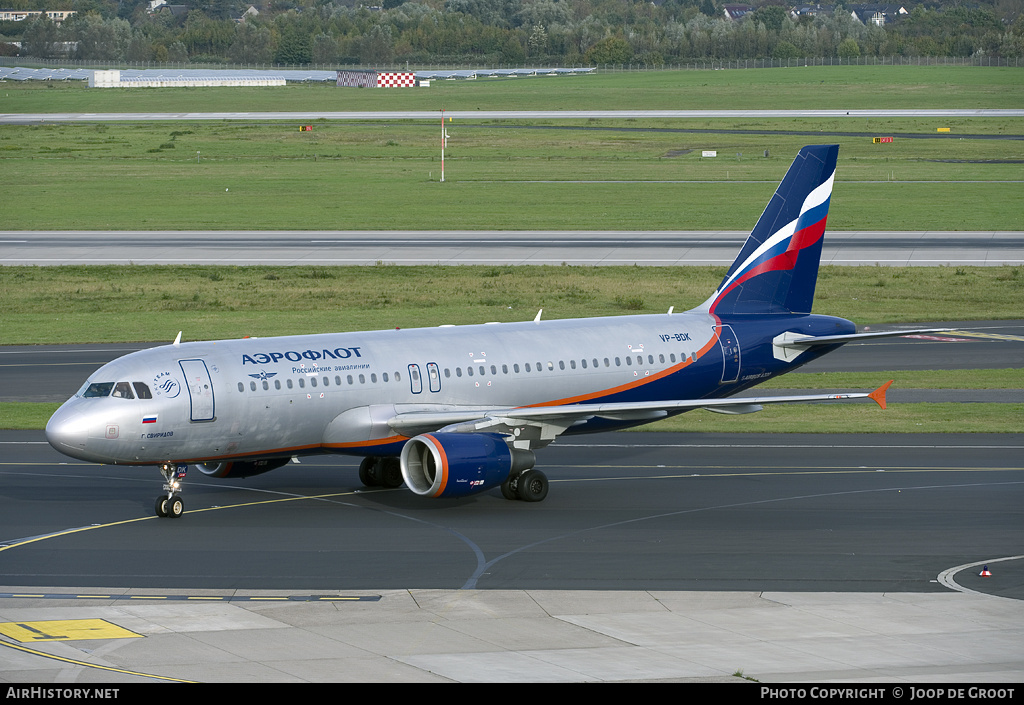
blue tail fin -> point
(777, 269)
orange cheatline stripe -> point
(637, 383)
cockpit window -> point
(123, 390)
(99, 389)
(142, 390)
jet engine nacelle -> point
(241, 468)
(460, 464)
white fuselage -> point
(258, 397)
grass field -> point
(386, 176)
(84, 304)
(844, 87)
(511, 175)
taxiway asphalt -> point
(656, 557)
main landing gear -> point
(170, 504)
(380, 472)
(529, 486)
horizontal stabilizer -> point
(803, 341)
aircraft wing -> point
(539, 425)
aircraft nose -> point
(67, 431)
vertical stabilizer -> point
(777, 269)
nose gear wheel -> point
(170, 504)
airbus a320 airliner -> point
(454, 411)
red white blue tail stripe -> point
(777, 269)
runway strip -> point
(534, 247)
(17, 118)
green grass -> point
(501, 175)
(25, 416)
(1010, 378)
(44, 305)
(793, 88)
(379, 177)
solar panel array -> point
(16, 73)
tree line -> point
(499, 32)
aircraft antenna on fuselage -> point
(177, 340)
(536, 318)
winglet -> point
(879, 394)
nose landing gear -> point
(170, 504)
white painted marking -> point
(946, 576)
